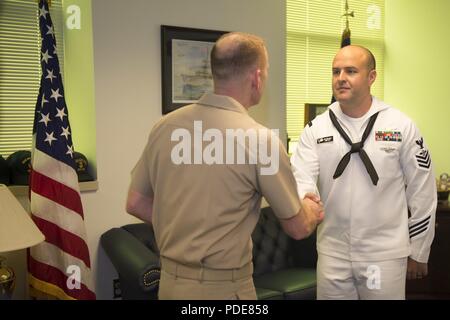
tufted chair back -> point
(273, 250)
(270, 245)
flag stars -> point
(46, 56)
(50, 31)
(45, 118)
(53, 135)
(43, 12)
(55, 94)
(61, 113)
(50, 138)
(70, 151)
(66, 132)
(50, 75)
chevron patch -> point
(423, 159)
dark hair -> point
(234, 58)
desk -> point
(437, 284)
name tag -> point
(325, 140)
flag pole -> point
(347, 33)
(347, 14)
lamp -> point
(17, 231)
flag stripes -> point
(56, 192)
(54, 169)
(66, 241)
(54, 282)
(50, 254)
(48, 210)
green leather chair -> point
(283, 268)
(133, 252)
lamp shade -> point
(17, 230)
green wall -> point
(417, 70)
(79, 78)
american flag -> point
(59, 267)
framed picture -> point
(312, 110)
(185, 70)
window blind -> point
(20, 69)
(314, 29)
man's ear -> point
(256, 78)
(372, 76)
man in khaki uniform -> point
(202, 175)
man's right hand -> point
(306, 220)
(313, 210)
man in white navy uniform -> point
(373, 172)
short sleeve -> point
(276, 181)
(140, 176)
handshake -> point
(312, 213)
(306, 220)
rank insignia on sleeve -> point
(423, 156)
(395, 136)
(325, 140)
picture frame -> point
(185, 65)
(312, 110)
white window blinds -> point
(314, 29)
(20, 69)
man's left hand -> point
(416, 270)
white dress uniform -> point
(365, 222)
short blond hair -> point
(235, 53)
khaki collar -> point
(222, 102)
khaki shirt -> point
(204, 214)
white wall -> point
(128, 91)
